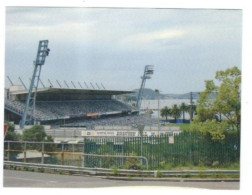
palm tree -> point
(165, 112)
(183, 108)
(175, 112)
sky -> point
(112, 46)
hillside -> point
(149, 94)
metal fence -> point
(185, 149)
(44, 152)
(162, 152)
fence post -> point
(42, 153)
(25, 152)
(62, 155)
(8, 153)
(73, 153)
(83, 157)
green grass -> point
(182, 126)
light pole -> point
(158, 92)
(148, 71)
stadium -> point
(70, 114)
(77, 112)
(60, 105)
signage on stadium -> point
(110, 133)
(104, 133)
(92, 114)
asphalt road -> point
(13, 178)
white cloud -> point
(122, 41)
(150, 37)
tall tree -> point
(219, 105)
(165, 112)
(228, 101)
(175, 112)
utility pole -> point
(158, 92)
(191, 106)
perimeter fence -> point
(162, 152)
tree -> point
(140, 129)
(183, 108)
(214, 128)
(10, 134)
(165, 112)
(228, 101)
(35, 133)
(223, 100)
(175, 112)
(219, 105)
(205, 109)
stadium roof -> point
(65, 93)
(74, 91)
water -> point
(153, 104)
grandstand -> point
(68, 115)
(63, 106)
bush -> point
(114, 170)
(159, 174)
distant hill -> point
(195, 95)
(149, 94)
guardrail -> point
(62, 150)
(123, 172)
(120, 156)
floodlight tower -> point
(43, 51)
(148, 71)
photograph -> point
(122, 97)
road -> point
(13, 178)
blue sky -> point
(112, 46)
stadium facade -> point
(62, 105)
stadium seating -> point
(46, 110)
